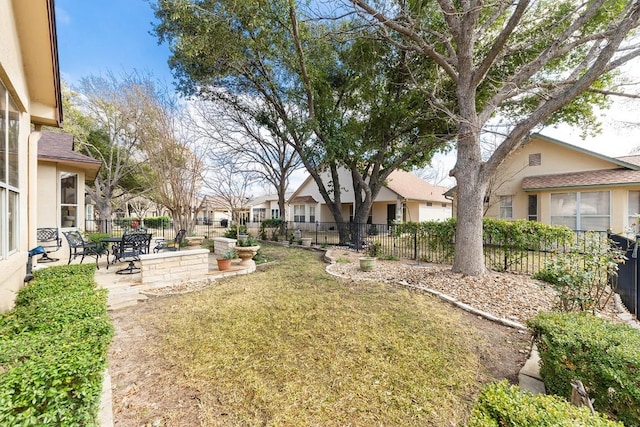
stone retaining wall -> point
(167, 268)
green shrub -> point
(160, 222)
(581, 276)
(603, 355)
(53, 350)
(232, 232)
(502, 405)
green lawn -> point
(291, 345)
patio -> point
(128, 289)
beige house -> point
(557, 183)
(62, 173)
(29, 96)
(403, 198)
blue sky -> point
(96, 36)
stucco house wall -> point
(30, 82)
(405, 196)
(545, 167)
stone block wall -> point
(168, 268)
(223, 244)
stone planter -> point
(306, 242)
(224, 264)
(246, 253)
(367, 263)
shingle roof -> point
(58, 147)
(410, 187)
(303, 199)
(582, 179)
(635, 160)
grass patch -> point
(291, 345)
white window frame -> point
(576, 213)
(506, 207)
(69, 209)
(9, 183)
(299, 213)
(259, 214)
(633, 210)
(312, 214)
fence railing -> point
(419, 246)
(627, 281)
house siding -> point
(554, 160)
(14, 77)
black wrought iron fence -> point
(164, 229)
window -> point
(535, 159)
(275, 213)
(298, 213)
(69, 199)
(9, 173)
(312, 214)
(506, 207)
(533, 208)
(259, 214)
(429, 204)
(589, 211)
(633, 210)
(444, 205)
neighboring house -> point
(403, 198)
(62, 173)
(29, 96)
(265, 207)
(557, 183)
(214, 210)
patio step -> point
(124, 298)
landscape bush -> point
(504, 405)
(603, 355)
(53, 350)
(581, 276)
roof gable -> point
(58, 147)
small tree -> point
(581, 275)
(231, 184)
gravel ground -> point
(514, 297)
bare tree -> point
(528, 60)
(238, 131)
(230, 184)
(176, 161)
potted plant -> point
(368, 262)
(224, 262)
(247, 248)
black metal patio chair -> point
(131, 247)
(170, 245)
(79, 247)
(50, 240)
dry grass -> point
(293, 346)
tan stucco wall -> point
(556, 159)
(12, 74)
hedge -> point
(603, 355)
(53, 350)
(504, 405)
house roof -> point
(409, 186)
(630, 159)
(303, 199)
(607, 177)
(36, 26)
(58, 147)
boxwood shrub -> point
(53, 350)
(603, 355)
(504, 405)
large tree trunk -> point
(469, 255)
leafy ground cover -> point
(291, 345)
